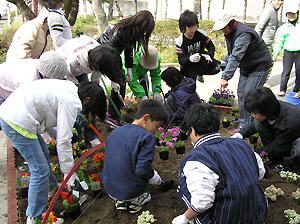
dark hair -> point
(155, 109)
(106, 59)
(172, 76)
(263, 101)
(141, 26)
(97, 103)
(204, 118)
(187, 19)
(51, 4)
(231, 24)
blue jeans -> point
(36, 153)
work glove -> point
(156, 96)
(129, 75)
(195, 57)
(181, 219)
(144, 98)
(207, 57)
(155, 179)
(115, 86)
(223, 65)
(71, 182)
(237, 135)
(81, 120)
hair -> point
(141, 26)
(204, 118)
(172, 76)
(155, 109)
(106, 59)
(97, 103)
(231, 24)
(51, 4)
(187, 19)
(263, 101)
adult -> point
(246, 50)
(31, 39)
(277, 124)
(40, 106)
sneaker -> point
(121, 205)
(59, 221)
(114, 122)
(281, 93)
(136, 205)
(200, 78)
(267, 85)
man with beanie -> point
(246, 50)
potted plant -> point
(52, 219)
(222, 100)
(23, 178)
(253, 138)
(56, 170)
(52, 148)
(225, 122)
(95, 185)
(234, 111)
(236, 116)
(164, 150)
(99, 160)
(72, 207)
(183, 135)
(179, 146)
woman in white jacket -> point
(40, 106)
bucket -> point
(289, 97)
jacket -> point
(44, 105)
(268, 23)
(31, 39)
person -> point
(190, 47)
(246, 50)
(277, 124)
(59, 27)
(288, 38)
(218, 177)
(126, 35)
(50, 65)
(181, 89)
(40, 106)
(31, 39)
(141, 66)
(129, 152)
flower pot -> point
(226, 124)
(23, 192)
(164, 155)
(157, 141)
(253, 139)
(180, 149)
(75, 213)
(183, 136)
(97, 193)
(226, 109)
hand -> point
(237, 135)
(223, 84)
(181, 219)
(155, 179)
(274, 57)
(223, 65)
(129, 75)
(71, 181)
(195, 57)
(115, 86)
(156, 96)
(207, 57)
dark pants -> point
(289, 57)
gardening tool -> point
(167, 185)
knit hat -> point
(150, 62)
(52, 65)
(223, 18)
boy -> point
(129, 153)
(218, 177)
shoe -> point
(30, 220)
(281, 93)
(267, 85)
(121, 205)
(114, 122)
(59, 221)
(136, 205)
(200, 78)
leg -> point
(144, 82)
(171, 103)
(287, 67)
(297, 71)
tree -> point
(180, 6)
(100, 14)
(155, 12)
(223, 7)
(264, 3)
(24, 9)
(71, 10)
(110, 11)
(198, 9)
(245, 11)
(166, 13)
(84, 8)
(208, 9)
(135, 5)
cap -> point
(293, 8)
(151, 61)
(52, 65)
(223, 18)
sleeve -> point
(248, 131)
(240, 47)
(156, 77)
(27, 41)
(183, 58)
(56, 28)
(262, 23)
(201, 182)
(261, 166)
(210, 47)
(279, 41)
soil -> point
(165, 203)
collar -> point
(207, 138)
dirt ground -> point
(163, 205)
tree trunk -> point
(8, 16)
(200, 9)
(135, 5)
(100, 15)
(119, 10)
(180, 6)
(281, 13)
(166, 13)
(208, 9)
(24, 9)
(84, 8)
(155, 12)
(110, 11)
(264, 3)
(223, 7)
(245, 11)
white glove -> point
(155, 179)
(115, 86)
(237, 135)
(181, 219)
(144, 98)
(195, 57)
(129, 75)
(71, 182)
(156, 96)
(207, 57)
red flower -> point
(71, 199)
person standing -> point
(246, 50)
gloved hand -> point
(71, 182)
(81, 119)
(156, 96)
(274, 57)
(129, 75)
(195, 57)
(223, 65)
(115, 86)
(207, 57)
(144, 98)
(181, 219)
(237, 135)
(155, 179)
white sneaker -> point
(95, 142)
(30, 220)
(59, 221)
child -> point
(193, 60)
(181, 88)
(218, 177)
(129, 153)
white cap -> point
(150, 62)
(222, 19)
(293, 8)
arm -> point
(279, 41)
(210, 47)
(183, 58)
(156, 77)
(248, 131)
(262, 22)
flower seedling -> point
(292, 216)
(99, 158)
(289, 176)
(23, 180)
(222, 97)
(273, 193)
(178, 143)
(225, 119)
(95, 182)
(71, 203)
(56, 170)
(296, 195)
(145, 218)
(265, 158)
